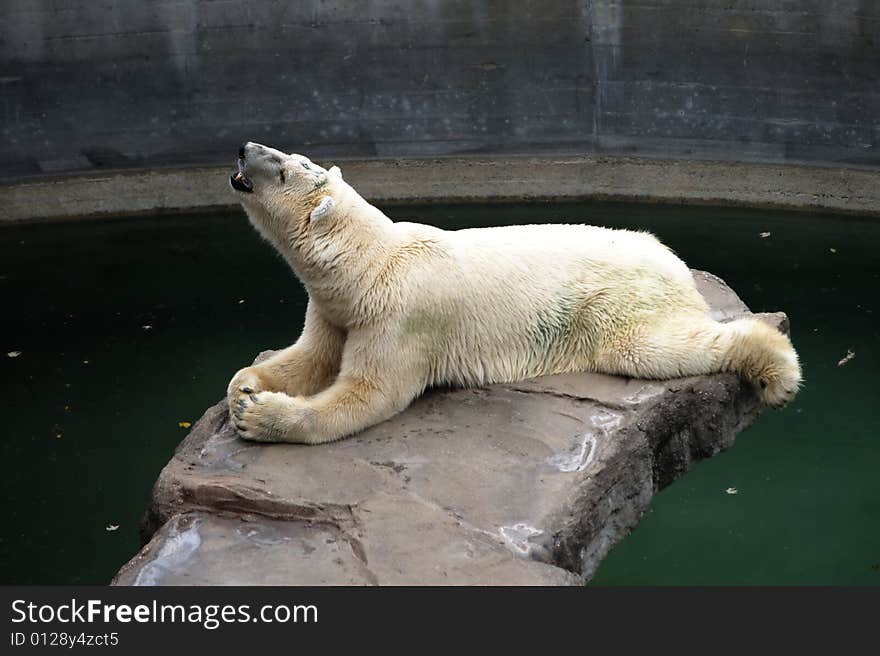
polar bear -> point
(396, 307)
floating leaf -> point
(764, 235)
(184, 424)
(112, 527)
(13, 354)
(732, 490)
(147, 327)
(846, 358)
(833, 250)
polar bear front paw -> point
(245, 381)
(254, 416)
(270, 417)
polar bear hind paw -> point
(778, 389)
(766, 358)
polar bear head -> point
(311, 216)
(283, 194)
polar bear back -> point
(551, 246)
(491, 303)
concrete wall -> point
(114, 83)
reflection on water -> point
(128, 328)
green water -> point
(91, 406)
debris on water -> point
(240, 301)
(833, 250)
(846, 358)
(732, 490)
(764, 235)
(147, 327)
(112, 527)
(184, 424)
(85, 361)
(13, 354)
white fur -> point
(396, 307)
(323, 209)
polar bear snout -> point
(240, 180)
(256, 161)
(250, 151)
(263, 169)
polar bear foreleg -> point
(371, 387)
(305, 368)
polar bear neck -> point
(339, 264)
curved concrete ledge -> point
(525, 483)
(468, 179)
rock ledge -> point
(529, 483)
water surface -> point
(128, 328)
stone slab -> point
(474, 179)
(524, 483)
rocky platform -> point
(518, 484)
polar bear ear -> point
(322, 209)
(335, 172)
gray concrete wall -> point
(116, 83)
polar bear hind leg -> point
(695, 345)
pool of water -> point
(128, 328)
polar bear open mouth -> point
(240, 182)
